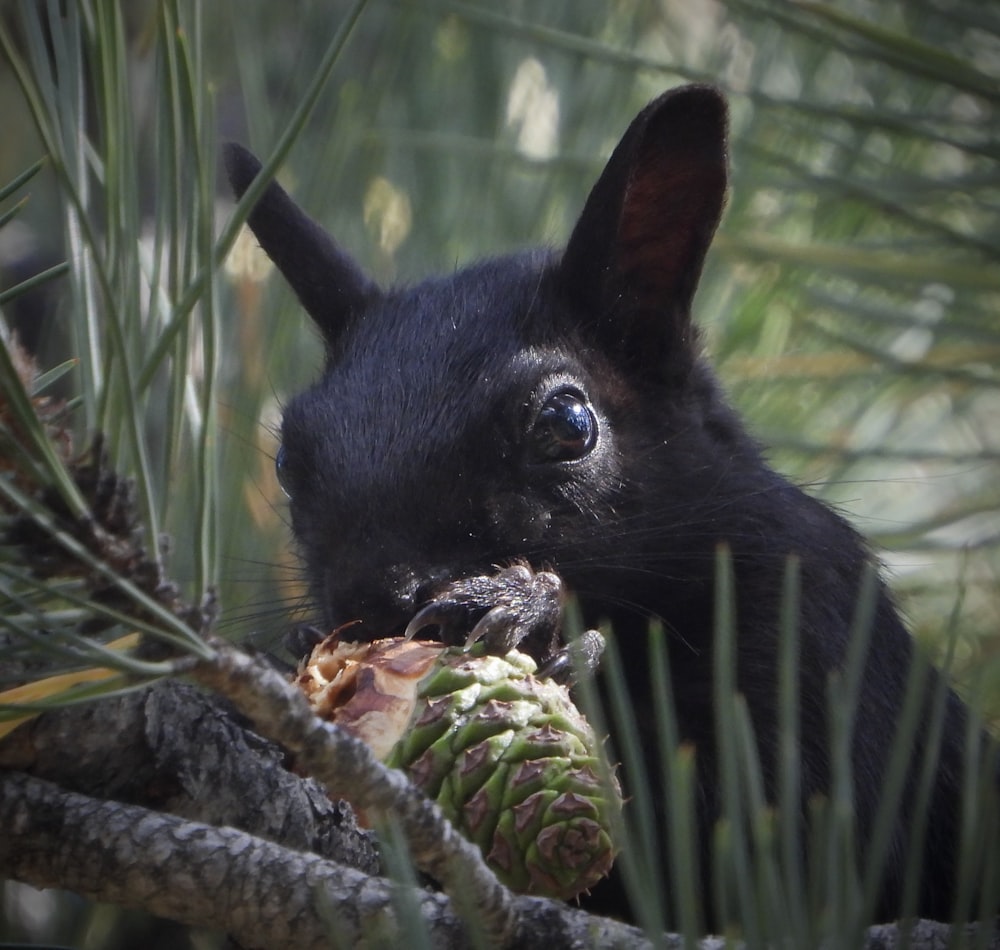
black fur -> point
(418, 462)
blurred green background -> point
(851, 304)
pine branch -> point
(348, 769)
(172, 748)
(262, 894)
(176, 749)
(268, 896)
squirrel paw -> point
(300, 640)
(579, 658)
(515, 607)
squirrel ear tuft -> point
(637, 251)
(328, 283)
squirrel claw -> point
(500, 628)
(443, 614)
(515, 607)
(580, 658)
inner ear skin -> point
(633, 261)
(667, 223)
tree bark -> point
(271, 898)
(165, 800)
(265, 896)
(173, 748)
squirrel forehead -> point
(447, 347)
(446, 330)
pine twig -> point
(348, 769)
(271, 897)
(261, 893)
(175, 748)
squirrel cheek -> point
(517, 518)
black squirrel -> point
(552, 413)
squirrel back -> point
(555, 410)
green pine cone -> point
(508, 757)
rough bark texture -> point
(260, 893)
(264, 895)
(347, 768)
(271, 898)
(175, 749)
(146, 783)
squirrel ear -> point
(637, 250)
(327, 282)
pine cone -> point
(508, 757)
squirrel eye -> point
(281, 470)
(564, 429)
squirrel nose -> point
(364, 621)
(373, 607)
